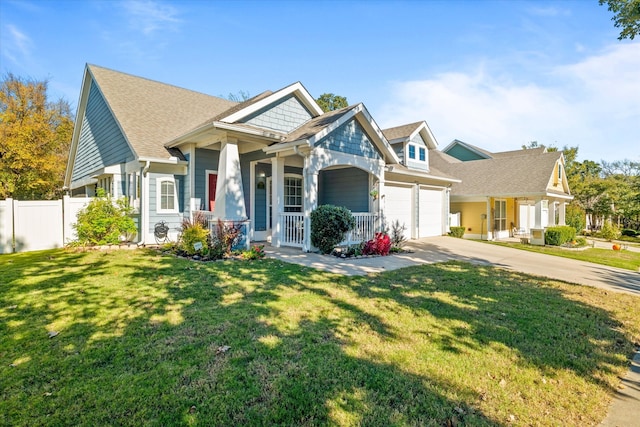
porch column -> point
(229, 192)
(380, 208)
(562, 214)
(310, 202)
(552, 214)
(538, 214)
(277, 198)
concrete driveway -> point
(441, 249)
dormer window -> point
(559, 172)
(412, 151)
(423, 154)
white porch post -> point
(277, 198)
(381, 203)
(562, 216)
(310, 201)
(552, 214)
(229, 192)
(538, 214)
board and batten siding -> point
(101, 143)
(350, 138)
(347, 187)
(283, 116)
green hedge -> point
(456, 231)
(556, 236)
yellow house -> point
(505, 194)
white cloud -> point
(149, 16)
(592, 103)
(16, 45)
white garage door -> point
(398, 205)
(430, 212)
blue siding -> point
(464, 154)
(418, 142)
(205, 160)
(284, 116)
(101, 142)
(245, 170)
(173, 220)
(399, 149)
(350, 138)
(344, 187)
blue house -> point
(265, 163)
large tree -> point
(626, 15)
(331, 102)
(35, 135)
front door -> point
(213, 181)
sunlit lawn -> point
(142, 340)
(629, 260)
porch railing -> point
(365, 229)
(291, 229)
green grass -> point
(625, 259)
(140, 337)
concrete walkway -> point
(441, 249)
(625, 408)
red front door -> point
(213, 180)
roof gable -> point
(466, 152)
(284, 115)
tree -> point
(35, 135)
(626, 15)
(330, 102)
(240, 96)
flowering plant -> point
(379, 245)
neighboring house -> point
(507, 193)
(263, 164)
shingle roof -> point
(526, 173)
(152, 113)
(403, 131)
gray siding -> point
(101, 142)
(284, 116)
(344, 187)
(205, 160)
(399, 149)
(173, 220)
(350, 138)
(416, 163)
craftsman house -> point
(507, 193)
(263, 164)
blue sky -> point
(496, 74)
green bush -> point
(609, 231)
(328, 225)
(105, 221)
(576, 217)
(556, 236)
(629, 232)
(456, 231)
(191, 236)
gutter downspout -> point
(143, 207)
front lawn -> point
(625, 259)
(147, 339)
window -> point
(500, 215)
(559, 172)
(412, 151)
(133, 182)
(292, 194)
(167, 196)
(423, 154)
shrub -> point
(556, 236)
(581, 241)
(224, 238)
(255, 252)
(397, 234)
(456, 231)
(192, 234)
(328, 225)
(105, 221)
(609, 231)
(379, 245)
(629, 232)
(576, 217)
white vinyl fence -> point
(35, 225)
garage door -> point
(430, 212)
(398, 206)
